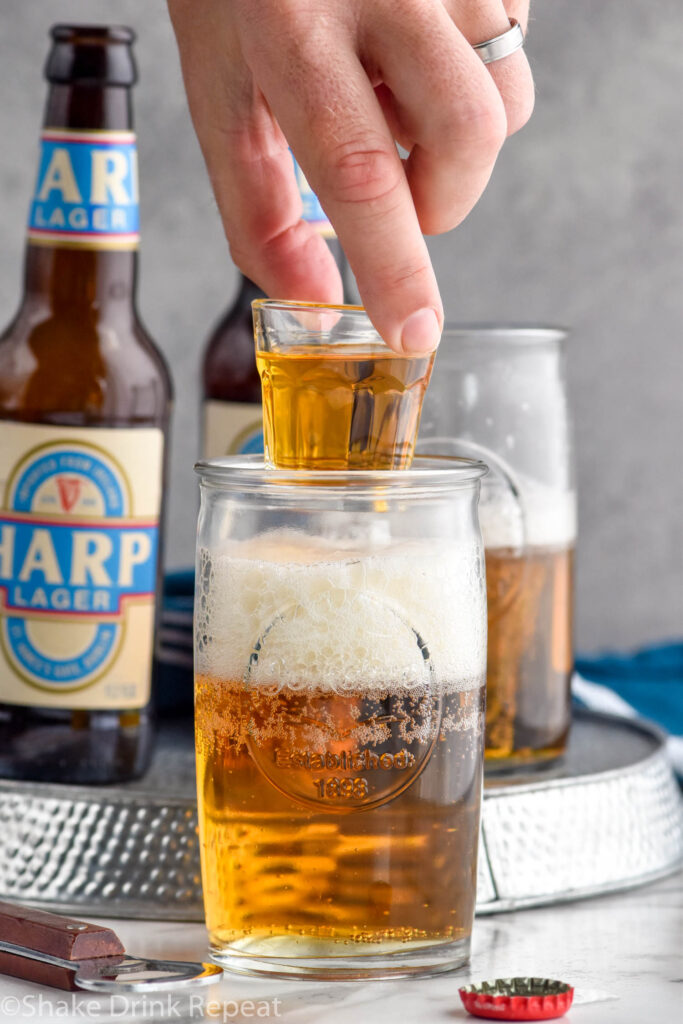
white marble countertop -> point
(623, 953)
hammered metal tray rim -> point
(506, 906)
(125, 911)
(53, 836)
(90, 794)
(644, 727)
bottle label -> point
(86, 193)
(79, 546)
(232, 428)
(312, 210)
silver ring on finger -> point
(502, 45)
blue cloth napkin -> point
(175, 663)
(645, 684)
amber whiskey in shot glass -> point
(335, 396)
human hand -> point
(341, 83)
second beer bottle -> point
(84, 411)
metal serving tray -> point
(609, 818)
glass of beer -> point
(499, 394)
(335, 396)
(340, 628)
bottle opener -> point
(68, 954)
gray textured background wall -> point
(582, 225)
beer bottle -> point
(84, 410)
(232, 421)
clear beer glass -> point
(340, 628)
(499, 394)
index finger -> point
(342, 141)
(249, 163)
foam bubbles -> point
(541, 516)
(286, 609)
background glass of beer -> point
(335, 396)
(499, 394)
(340, 625)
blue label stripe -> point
(67, 568)
(312, 211)
(81, 462)
(56, 569)
(60, 670)
(86, 190)
(252, 445)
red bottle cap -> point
(518, 999)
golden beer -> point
(529, 542)
(529, 652)
(330, 831)
(499, 393)
(339, 713)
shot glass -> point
(335, 396)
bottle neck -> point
(73, 280)
(82, 233)
(348, 280)
(248, 291)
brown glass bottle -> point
(84, 410)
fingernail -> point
(421, 331)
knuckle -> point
(270, 15)
(259, 253)
(393, 277)
(294, 241)
(438, 221)
(481, 122)
(363, 173)
(265, 247)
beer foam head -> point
(539, 516)
(288, 610)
